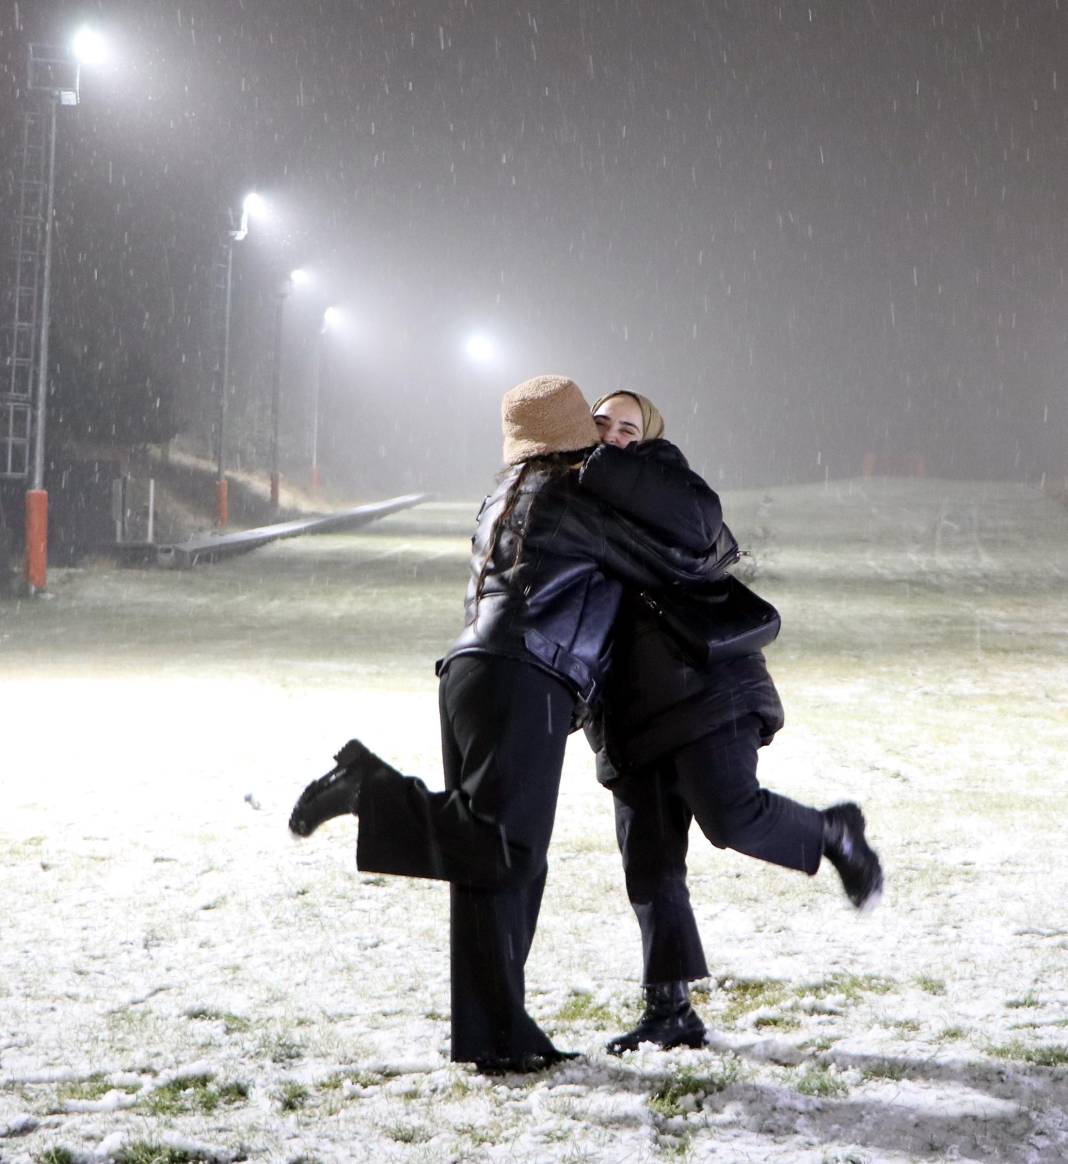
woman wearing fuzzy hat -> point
(678, 741)
(547, 566)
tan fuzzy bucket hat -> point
(547, 414)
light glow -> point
(89, 47)
(480, 348)
(254, 205)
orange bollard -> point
(222, 503)
(36, 539)
(315, 481)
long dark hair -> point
(553, 465)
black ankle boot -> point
(336, 793)
(668, 1020)
(524, 1064)
(847, 850)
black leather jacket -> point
(656, 700)
(553, 582)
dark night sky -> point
(805, 229)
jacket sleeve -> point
(651, 483)
(635, 555)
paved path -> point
(213, 546)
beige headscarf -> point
(652, 421)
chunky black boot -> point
(336, 793)
(668, 1020)
(847, 850)
(524, 1064)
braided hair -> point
(555, 465)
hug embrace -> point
(598, 598)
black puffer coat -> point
(547, 589)
(655, 700)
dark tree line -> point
(110, 394)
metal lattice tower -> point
(21, 334)
(52, 74)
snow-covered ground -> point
(179, 981)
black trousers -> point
(712, 780)
(504, 725)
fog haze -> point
(808, 231)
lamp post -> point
(56, 73)
(252, 205)
(294, 279)
(331, 319)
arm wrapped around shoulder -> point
(652, 483)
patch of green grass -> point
(907, 1026)
(480, 1134)
(407, 1133)
(852, 986)
(194, 1093)
(951, 1034)
(677, 1146)
(232, 1023)
(459, 1088)
(671, 1098)
(582, 1008)
(820, 1082)
(778, 1023)
(885, 1069)
(282, 1050)
(92, 1088)
(293, 1096)
(819, 1045)
(1048, 1055)
(145, 1152)
(931, 985)
(356, 1079)
(55, 1156)
(132, 1021)
(748, 994)
(1028, 1000)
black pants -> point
(712, 780)
(504, 725)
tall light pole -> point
(251, 206)
(56, 73)
(294, 279)
(331, 319)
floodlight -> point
(89, 47)
(480, 348)
(254, 205)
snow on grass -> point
(179, 981)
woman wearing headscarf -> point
(547, 567)
(678, 741)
